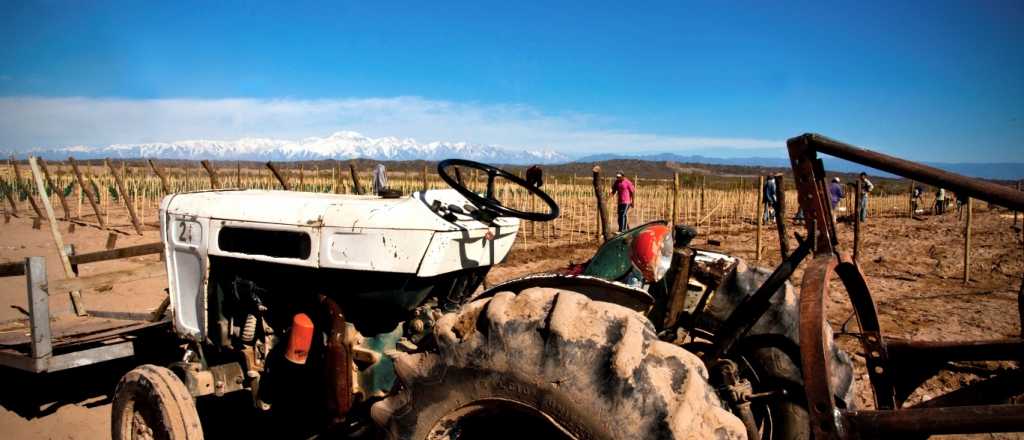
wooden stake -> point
(277, 174)
(238, 174)
(124, 196)
(336, 175)
(675, 199)
(76, 296)
(856, 220)
(59, 191)
(214, 181)
(602, 208)
(356, 187)
(424, 176)
(967, 241)
(759, 212)
(88, 193)
(160, 174)
(14, 207)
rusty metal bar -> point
(815, 353)
(976, 188)
(337, 363)
(917, 351)
(808, 175)
(930, 421)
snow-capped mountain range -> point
(339, 145)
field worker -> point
(940, 201)
(625, 189)
(866, 188)
(380, 179)
(961, 200)
(769, 199)
(835, 194)
(535, 176)
(915, 199)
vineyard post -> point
(76, 296)
(302, 176)
(759, 212)
(160, 175)
(31, 200)
(59, 191)
(277, 175)
(214, 181)
(336, 176)
(124, 196)
(856, 220)
(602, 208)
(424, 176)
(700, 209)
(14, 207)
(967, 241)
(88, 193)
(675, 198)
(780, 214)
(238, 174)
(356, 187)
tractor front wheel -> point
(552, 364)
(152, 403)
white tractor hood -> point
(403, 235)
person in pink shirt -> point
(625, 189)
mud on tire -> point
(594, 370)
(151, 402)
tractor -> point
(359, 316)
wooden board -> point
(72, 330)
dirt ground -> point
(914, 269)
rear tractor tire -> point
(152, 403)
(549, 364)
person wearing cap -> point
(835, 194)
(866, 188)
(625, 190)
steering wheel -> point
(488, 201)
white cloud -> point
(31, 122)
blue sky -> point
(938, 81)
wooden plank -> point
(91, 356)
(12, 269)
(38, 307)
(119, 253)
(105, 279)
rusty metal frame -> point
(895, 366)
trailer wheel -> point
(548, 364)
(152, 403)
